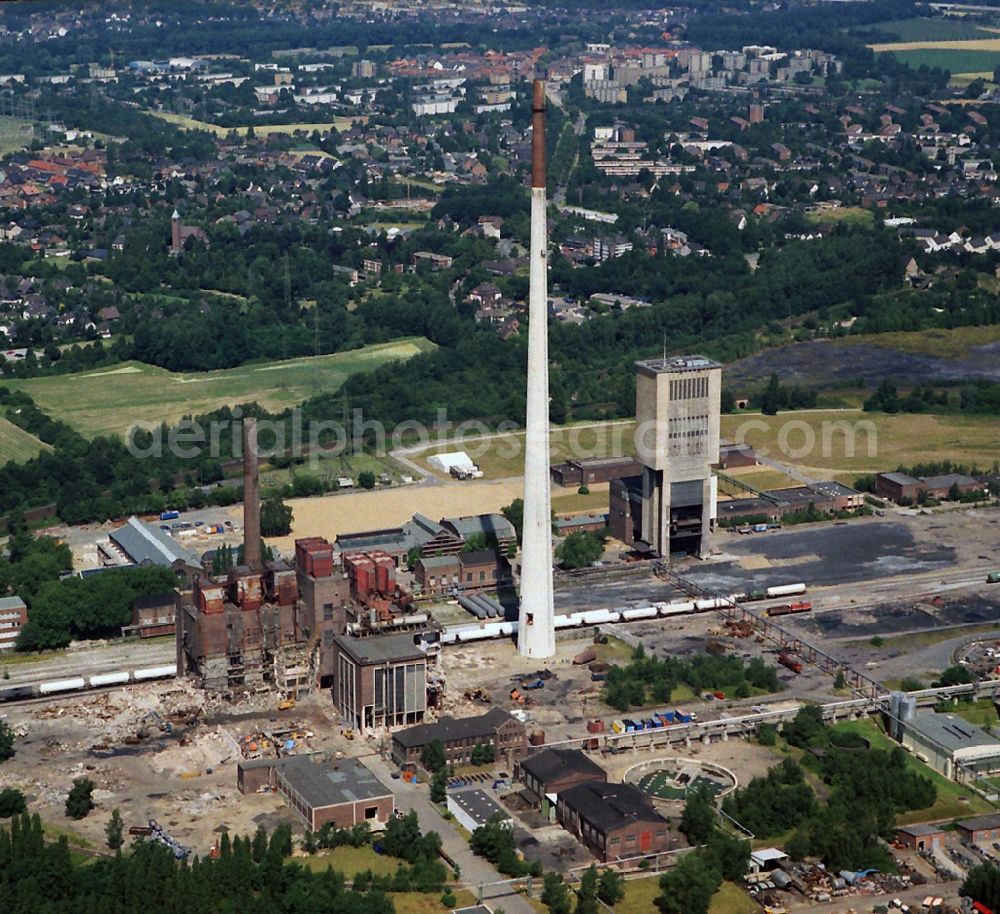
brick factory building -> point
(899, 486)
(480, 569)
(460, 736)
(593, 470)
(548, 773)
(613, 821)
(342, 793)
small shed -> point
(920, 837)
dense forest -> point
(250, 876)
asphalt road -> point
(476, 871)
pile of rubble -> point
(819, 884)
(274, 742)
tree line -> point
(649, 680)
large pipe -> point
(251, 497)
(536, 628)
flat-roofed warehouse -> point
(343, 793)
(946, 741)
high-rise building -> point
(536, 632)
(671, 506)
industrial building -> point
(920, 837)
(13, 617)
(613, 821)
(343, 793)
(479, 569)
(153, 614)
(901, 486)
(139, 543)
(982, 830)
(421, 534)
(548, 773)
(460, 736)
(670, 507)
(274, 625)
(825, 497)
(382, 681)
(593, 470)
(950, 744)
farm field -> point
(18, 445)
(190, 123)
(987, 43)
(955, 60)
(110, 400)
(937, 29)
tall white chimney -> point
(536, 632)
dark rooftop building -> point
(548, 773)
(344, 793)
(613, 821)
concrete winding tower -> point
(536, 632)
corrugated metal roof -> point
(143, 543)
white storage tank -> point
(62, 685)
(642, 612)
(785, 590)
(155, 672)
(106, 679)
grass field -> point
(657, 784)
(109, 401)
(844, 442)
(640, 898)
(932, 30)
(18, 445)
(351, 860)
(574, 503)
(851, 215)
(956, 343)
(953, 800)
(190, 123)
(982, 713)
(955, 60)
(15, 134)
(868, 442)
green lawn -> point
(982, 713)
(640, 898)
(15, 135)
(351, 860)
(16, 444)
(953, 800)
(110, 400)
